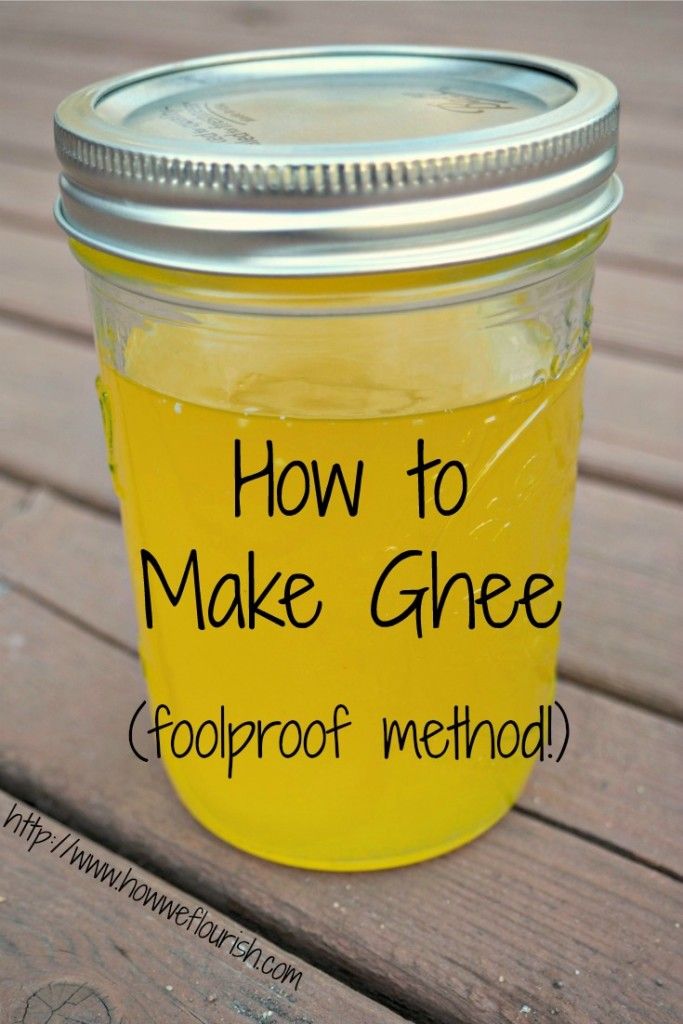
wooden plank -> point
(647, 227)
(620, 781)
(638, 313)
(43, 537)
(622, 628)
(42, 282)
(606, 786)
(58, 924)
(29, 193)
(633, 430)
(49, 418)
(568, 927)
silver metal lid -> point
(337, 160)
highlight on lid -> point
(399, 157)
(342, 306)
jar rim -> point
(344, 295)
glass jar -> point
(345, 444)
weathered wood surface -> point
(63, 931)
(623, 610)
(633, 426)
(531, 904)
(41, 282)
(638, 313)
(568, 909)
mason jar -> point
(341, 302)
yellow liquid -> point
(172, 461)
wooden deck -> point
(570, 910)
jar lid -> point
(337, 160)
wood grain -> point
(51, 430)
(559, 913)
(529, 904)
(41, 281)
(64, 932)
(43, 538)
(622, 629)
(638, 313)
(633, 428)
(619, 782)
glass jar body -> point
(338, 496)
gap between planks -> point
(32, 918)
